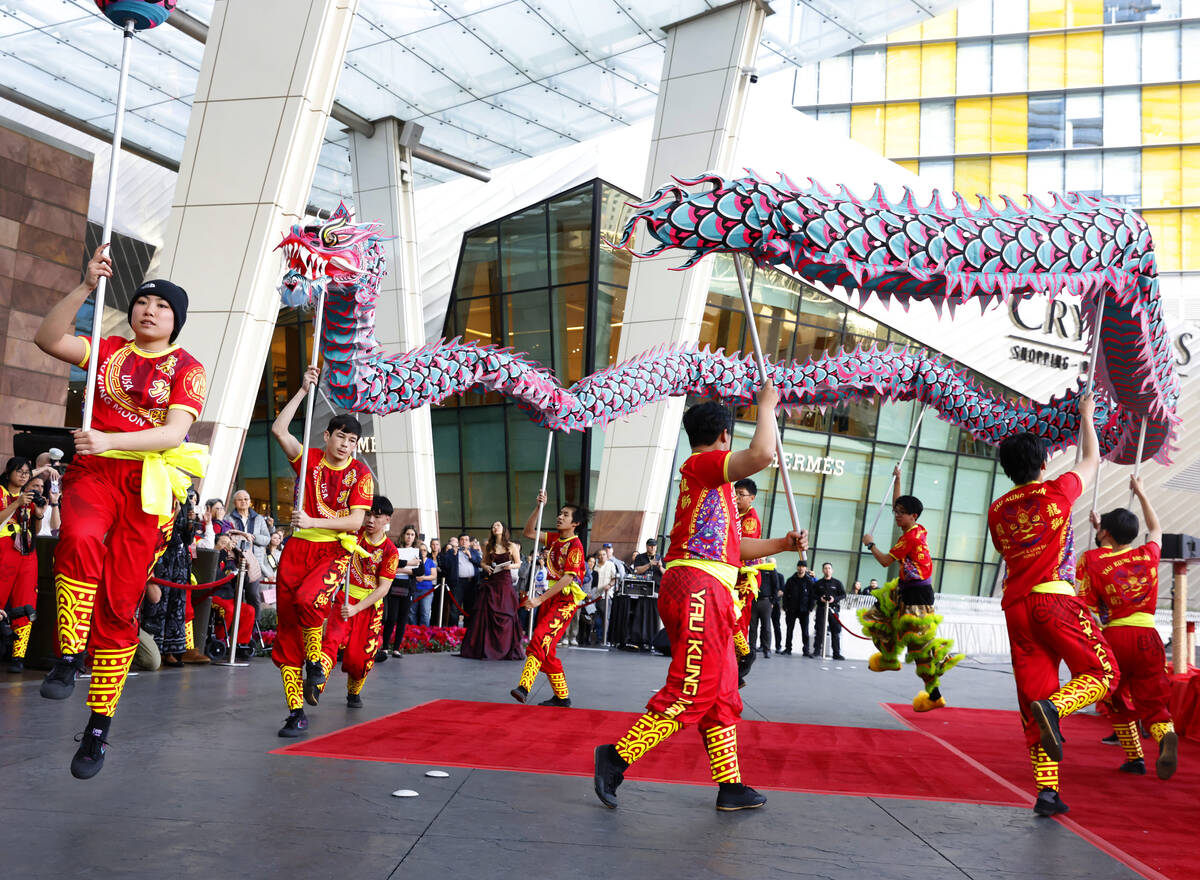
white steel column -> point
(266, 85)
(383, 190)
(705, 77)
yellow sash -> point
(1138, 618)
(348, 540)
(1061, 588)
(164, 473)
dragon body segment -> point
(846, 242)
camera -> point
(38, 499)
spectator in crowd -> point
(619, 570)
(250, 522)
(229, 559)
(147, 656)
(603, 583)
(423, 582)
(271, 554)
(771, 582)
(215, 523)
(395, 606)
(857, 588)
(493, 628)
(589, 578)
(829, 593)
(797, 605)
(51, 519)
(21, 514)
(467, 569)
(448, 570)
(873, 585)
(760, 618)
(165, 618)
(648, 564)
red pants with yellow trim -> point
(1045, 629)
(1144, 692)
(309, 574)
(245, 622)
(552, 619)
(702, 681)
(18, 578)
(361, 635)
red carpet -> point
(775, 757)
(1142, 817)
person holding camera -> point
(165, 618)
(229, 559)
(22, 508)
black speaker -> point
(1180, 547)
(30, 441)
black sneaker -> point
(89, 757)
(564, 702)
(520, 694)
(1111, 740)
(1049, 803)
(294, 725)
(744, 664)
(609, 773)
(1137, 767)
(786, 651)
(838, 657)
(807, 654)
(735, 796)
(354, 701)
(17, 665)
(314, 682)
(1046, 717)
(60, 680)
(381, 656)
(1168, 755)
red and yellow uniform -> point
(18, 570)
(361, 633)
(1047, 623)
(109, 541)
(313, 564)
(1123, 584)
(749, 579)
(696, 603)
(912, 553)
(564, 558)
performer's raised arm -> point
(1089, 445)
(55, 335)
(279, 428)
(1153, 526)
(749, 461)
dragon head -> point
(333, 253)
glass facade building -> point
(1036, 96)
(541, 281)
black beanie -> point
(175, 296)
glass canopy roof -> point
(491, 81)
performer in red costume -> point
(1121, 581)
(337, 496)
(696, 603)
(20, 520)
(565, 569)
(1047, 623)
(744, 492)
(358, 623)
(117, 495)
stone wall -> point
(44, 190)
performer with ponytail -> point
(337, 496)
(903, 616)
(565, 570)
(1122, 581)
(118, 493)
(358, 623)
(1047, 624)
(696, 602)
(20, 520)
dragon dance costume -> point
(18, 569)
(1122, 585)
(312, 566)
(903, 619)
(117, 509)
(361, 634)
(1047, 624)
(564, 559)
(747, 585)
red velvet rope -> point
(847, 629)
(209, 586)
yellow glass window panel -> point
(1190, 124)
(1010, 123)
(1045, 14)
(903, 72)
(1165, 230)
(1160, 115)
(971, 177)
(1086, 54)
(1191, 241)
(866, 126)
(910, 34)
(1160, 177)
(909, 165)
(1008, 178)
(902, 124)
(1046, 61)
(972, 124)
(1190, 186)
(1081, 13)
(938, 68)
(940, 27)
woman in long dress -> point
(493, 632)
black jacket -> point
(771, 585)
(832, 588)
(798, 594)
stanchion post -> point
(232, 660)
(1179, 658)
(441, 601)
(825, 630)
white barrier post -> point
(232, 660)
